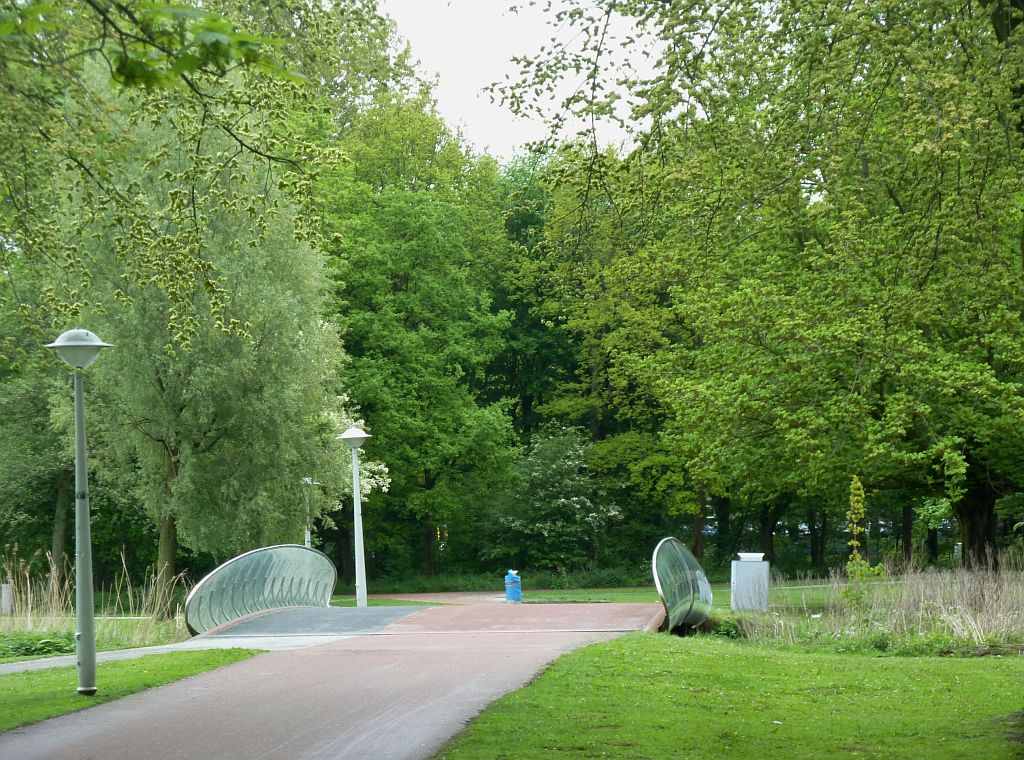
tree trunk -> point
(767, 536)
(596, 382)
(698, 528)
(768, 520)
(933, 544)
(824, 537)
(347, 555)
(976, 515)
(61, 511)
(166, 556)
(816, 532)
(723, 524)
(908, 533)
(428, 547)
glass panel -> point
(276, 576)
(681, 584)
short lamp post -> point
(354, 438)
(80, 348)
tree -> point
(418, 224)
(553, 517)
(189, 59)
(838, 240)
(213, 441)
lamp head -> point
(78, 348)
(354, 437)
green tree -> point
(838, 241)
(419, 225)
(554, 516)
(212, 441)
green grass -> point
(15, 645)
(623, 595)
(350, 601)
(58, 638)
(646, 695)
(796, 596)
(32, 696)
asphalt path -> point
(382, 682)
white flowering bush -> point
(555, 515)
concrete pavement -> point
(400, 690)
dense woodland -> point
(807, 263)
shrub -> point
(35, 644)
(729, 627)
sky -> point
(469, 44)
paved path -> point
(396, 691)
(275, 631)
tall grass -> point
(921, 609)
(128, 615)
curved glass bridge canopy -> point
(263, 579)
(681, 584)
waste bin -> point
(513, 587)
(749, 583)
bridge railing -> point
(288, 575)
(681, 583)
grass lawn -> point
(647, 696)
(350, 601)
(799, 595)
(32, 696)
(643, 595)
(54, 636)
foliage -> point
(805, 262)
(30, 697)
(554, 517)
(127, 615)
(417, 227)
(858, 569)
(56, 127)
(143, 44)
(824, 207)
(35, 644)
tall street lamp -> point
(354, 438)
(309, 483)
(80, 348)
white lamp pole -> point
(309, 485)
(354, 438)
(80, 348)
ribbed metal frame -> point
(681, 584)
(287, 575)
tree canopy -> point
(804, 266)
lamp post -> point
(309, 483)
(80, 348)
(354, 438)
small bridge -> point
(271, 578)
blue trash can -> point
(513, 587)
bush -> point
(729, 627)
(24, 644)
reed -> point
(922, 608)
(128, 615)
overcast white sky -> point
(469, 44)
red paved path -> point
(399, 693)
